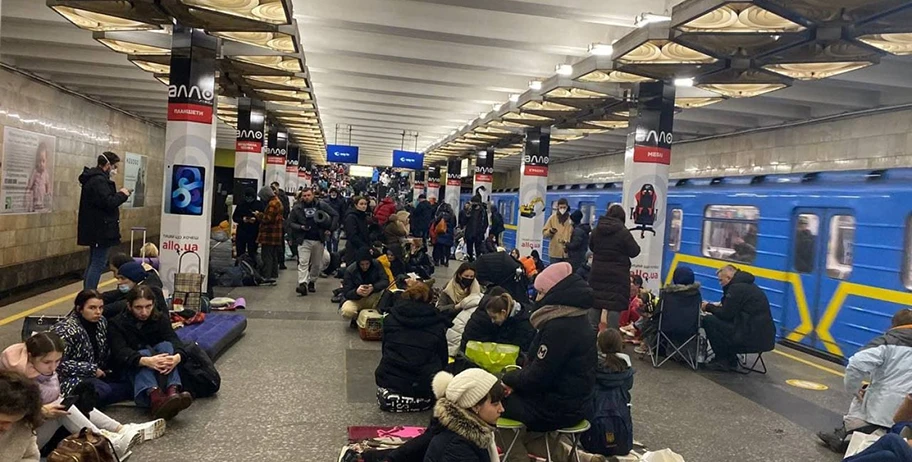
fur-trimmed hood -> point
(682, 288)
(463, 423)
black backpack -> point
(611, 433)
(198, 374)
(248, 265)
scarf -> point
(546, 313)
(457, 293)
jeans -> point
(111, 392)
(98, 261)
(334, 241)
(145, 379)
(719, 333)
(474, 247)
(310, 261)
(889, 448)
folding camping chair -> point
(678, 328)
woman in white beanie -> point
(468, 406)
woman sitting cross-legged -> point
(145, 346)
(414, 349)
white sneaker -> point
(123, 442)
(149, 430)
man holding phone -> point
(362, 285)
(98, 222)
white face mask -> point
(562, 210)
(113, 172)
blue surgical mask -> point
(123, 288)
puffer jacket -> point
(516, 330)
(559, 379)
(466, 308)
(394, 231)
(79, 360)
(414, 349)
(357, 234)
(98, 223)
(612, 247)
(15, 359)
(384, 210)
(887, 362)
(557, 248)
(746, 306)
(463, 438)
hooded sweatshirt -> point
(16, 359)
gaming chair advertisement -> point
(189, 142)
(646, 177)
(533, 185)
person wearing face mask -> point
(459, 287)
(37, 359)
(248, 225)
(357, 232)
(559, 228)
(98, 222)
(130, 275)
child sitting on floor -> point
(611, 433)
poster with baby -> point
(27, 172)
(135, 167)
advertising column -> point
(418, 184)
(453, 184)
(646, 176)
(303, 171)
(484, 175)
(248, 149)
(276, 151)
(433, 183)
(189, 157)
(291, 170)
(533, 185)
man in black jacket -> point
(338, 204)
(475, 228)
(741, 323)
(98, 226)
(311, 223)
(362, 285)
(248, 225)
(422, 217)
(579, 241)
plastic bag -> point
(492, 357)
(664, 455)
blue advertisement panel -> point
(408, 159)
(341, 154)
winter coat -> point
(99, 212)
(886, 361)
(245, 210)
(272, 224)
(357, 234)
(15, 358)
(515, 330)
(286, 204)
(745, 305)
(584, 271)
(128, 335)
(477, 222)
(612, 247)
(446, 239)
(19, 444)
(464, 437)
(557, 247)
(394, 231)
(303, 225)
(422, 216)
(497, 223)
(578, 245)
(559, 379)
(384, 210)
(79, 359)
(355, 278)
(465, 308)
(414, 349)
(453, 294)
(499, 269)
(116, 303)
(337, 204)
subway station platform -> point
(300, 376)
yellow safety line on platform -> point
(809, 363)
(47, 305)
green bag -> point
(492, 357)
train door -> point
(822, 249)
(674, 223)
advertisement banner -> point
(433, 183)
(453, 184)
(646, 177)
(189, 171)
(533, 184)
(248, 156)
(303, 173)
(291, 170)
(418, 184)
(276, 153)
(408, 159)
(135, 167)
(341, 154)
(27, 171)
(484, 175)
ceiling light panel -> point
(743, 84)
(110, 16)
(150, 66)
(268, 11)
(613, 77)
(898, 44)
(546, 106)
(695, 102)
(276, 41)
(839, 11)
(739, 18)
(821, 60)
(649, 52)
(279, 63)
(130, 48)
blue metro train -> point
(831, 249)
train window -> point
(511, 210)
(588, 211)
(806, 242)
(730, 232)
(674, 239)
(841, 246)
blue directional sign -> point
(408, 159)
(341, 154)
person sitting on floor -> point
(466, 308)
(468, 406)
(554, 388)
(414, 349)
(632, 315)
(501, 270)
(499, 319)
(742, 322)
(611, 433)
(20, 418)
(115, 300)
(393, 262)
(146, 349)
(886, 361)
(586, 268)
(37, 359)
(459, 287)
(362, 285)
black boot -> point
(311, 287)
(301, 289)
(836, 441)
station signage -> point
(408, 159)
(342, 154)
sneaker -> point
(149, 430)
(836, 440)
(336, 298)
(302, 289)
(123, 442)
(312, 287)
(641, 349)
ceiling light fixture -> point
(565, 70)
(131, 48)
(270, 11)
(740, 18)
(646, 19)
(282, 63)
(99, 22)
(898, 44)
(816, 71)
(687, 82)
(269, 40)
(514, 97)
(497, 106)
(535, 85)
(600, 49)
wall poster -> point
(135, 168)
(27, 172)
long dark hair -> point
(465, 266)
(20, 395)
(83, 297)
(143, 292)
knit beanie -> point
(553, 274)
(465, 389)
(683, 276)
(132, 271)
(576, 216)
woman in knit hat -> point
(468, 406)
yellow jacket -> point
(558, 248)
